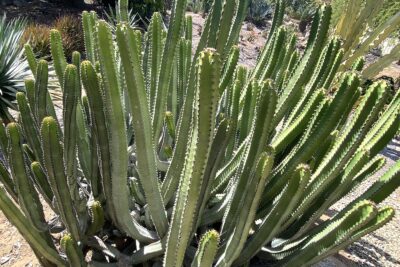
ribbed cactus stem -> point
(53, 158)
(374, 69)
(88, 23)
(305, 69)
(57, 53)
(71, 97)
(384, 216)
(339, 230)
(123, 10)
(153, 55)
(297, 126)
(41, 180)
(343, 151)
(83, 138)
(129, 47)
(136, 190)
(169, 122)
(250, 200)
(330, 113)
(230, 68)
(207, 249)
(3, 138)
(189, 28)
(97, 217)
(28, 152)
(385, 186)
(74, 254)
(192, 179)
(212, 24)
(91, 83)
(30, 92)
(30, 56)
(174, 30)
(41, 90)
(27, 195)
(168, 151)
(118, 143)
(359, 64)
(265, 53)
(270, 224)
(276, 50)
(228, 12)
(334, 69)
(241, 13)
(29, 126)
(76, 59)
(7, 182)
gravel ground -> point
(380, 248)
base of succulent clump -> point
(366, 252)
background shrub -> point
(38, 35)
(196, 6)
(143, 8)
(71, 32)
(147, 7)
(259, 11)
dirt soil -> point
(14, 251)
(377, 249)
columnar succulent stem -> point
(177, 18)
(117, 135)
(192, 178)
(27, 196)
(53, 158)
(146, 158)
(207, 250)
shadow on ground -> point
(371, 255)
(390, 151)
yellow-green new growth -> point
(74, 254)
(207, 249)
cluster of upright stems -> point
(191, 159)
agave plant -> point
(114, 17)
(14, 68)
(174, 159)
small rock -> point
(376, 52)
(4, 260)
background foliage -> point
(14, 68)
(38, 36)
